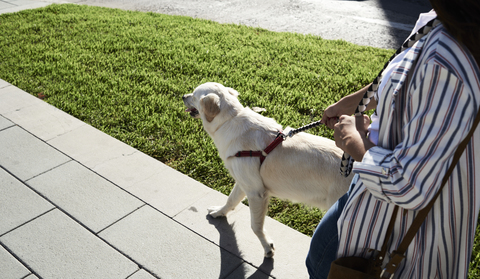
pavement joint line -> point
(244, 262)
(240, 263)
(261, 270)
(123, 217)
(13, 125)
(44, 172)
(140, 268)
(26, 222)
(32, 271)
(5, 85)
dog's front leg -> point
(235, 197)
(258, 203)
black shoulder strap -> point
(398, 255)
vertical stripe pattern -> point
(426, 109)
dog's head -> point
(212, 102)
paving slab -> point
(40, 118)
(25, 156)
(90, 146)
(19, 204)
(167, 249)
(234, 234)
(11, 267)
(84, 195)
(55, 246)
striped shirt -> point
(426, 109)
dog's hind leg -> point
(258, 204)
(235, 197)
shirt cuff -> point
(373, 171)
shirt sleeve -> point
(439, 114)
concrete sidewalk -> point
(77, 203)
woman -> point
(425, 105)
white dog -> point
(303, 168)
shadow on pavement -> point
(228, 243)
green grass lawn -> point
(125, 72)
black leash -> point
(304, 128)
(347, 160)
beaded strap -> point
(347, 160)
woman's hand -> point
(345, 106)
(351, 135)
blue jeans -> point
(324, 244)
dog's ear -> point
(233, 92)
(211, 106)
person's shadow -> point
(228, 244)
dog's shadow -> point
(228, 244)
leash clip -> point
(290, 134)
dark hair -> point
(462, 19)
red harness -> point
(280, 137)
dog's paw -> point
(216, 211)
(270, 252)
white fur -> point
(304, 168)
